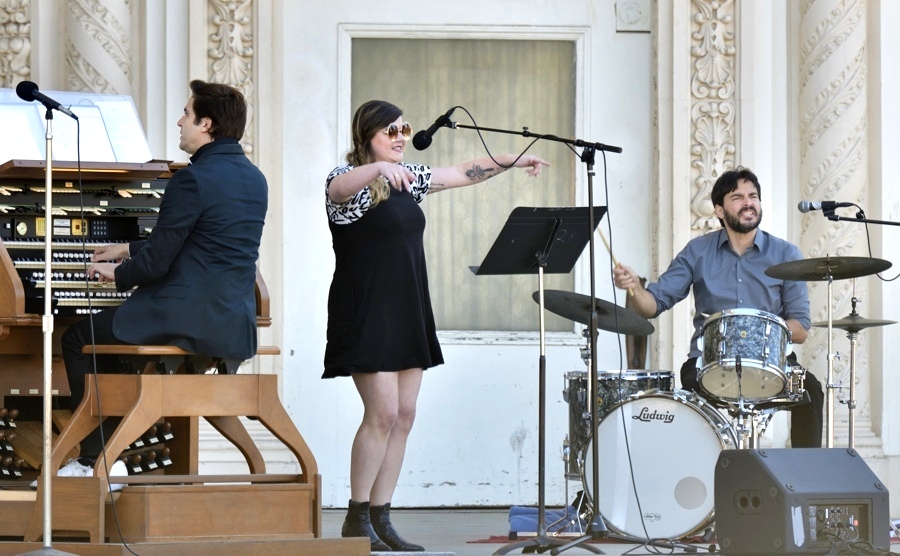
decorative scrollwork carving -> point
(231, 53)
(713, 112)
(15, 41)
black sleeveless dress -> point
(379, 310)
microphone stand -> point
(526, 133)
(596, 528)
(47, 474)
(860, 218)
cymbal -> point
(854, 323)
(577, 307)
(823, 268)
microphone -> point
(806, 206)
(422, 140)
(28, 91)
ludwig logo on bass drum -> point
(646, 415)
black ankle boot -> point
(359, 524)
(381, 522)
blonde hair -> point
(370, 118)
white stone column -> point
(98, 46)
(831, 86)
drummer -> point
(726, 269)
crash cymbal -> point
(854, 323)
(837, 268)
(577, 307)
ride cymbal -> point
(823, 268)
(577, 307)
(854, 323)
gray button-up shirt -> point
(722, 280)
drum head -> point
(674, 440)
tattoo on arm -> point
(477, 173)
(437, 186)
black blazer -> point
(196, 271)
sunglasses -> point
(393, 131)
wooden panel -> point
(196, 512)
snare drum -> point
(674, 440)
(760, 341)
(613, 388)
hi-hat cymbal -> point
(577, 307)
(823, 268)
(854, 323)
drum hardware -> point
(577, 519)
(758, 420)
(586, 350)
(828, 269)
(752, 417)
(853, 324)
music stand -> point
(539, 241)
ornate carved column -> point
(98, 47)
(15, 42)
(713, 110)
(832, 90)
(230, 53)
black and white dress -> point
(379, 309)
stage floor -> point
(450, 530)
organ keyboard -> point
(113, 203)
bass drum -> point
(674, 439)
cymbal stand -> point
(852, 335)
(829, 379)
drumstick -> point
(613, 257)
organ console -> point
(111, 202)
(118, 202)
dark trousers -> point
(806, 417)
(97, 329)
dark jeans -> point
(806, 418)
(95, 330)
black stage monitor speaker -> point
(798, 501)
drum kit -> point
(663, 488)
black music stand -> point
(539, 241)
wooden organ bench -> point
(182, 504)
